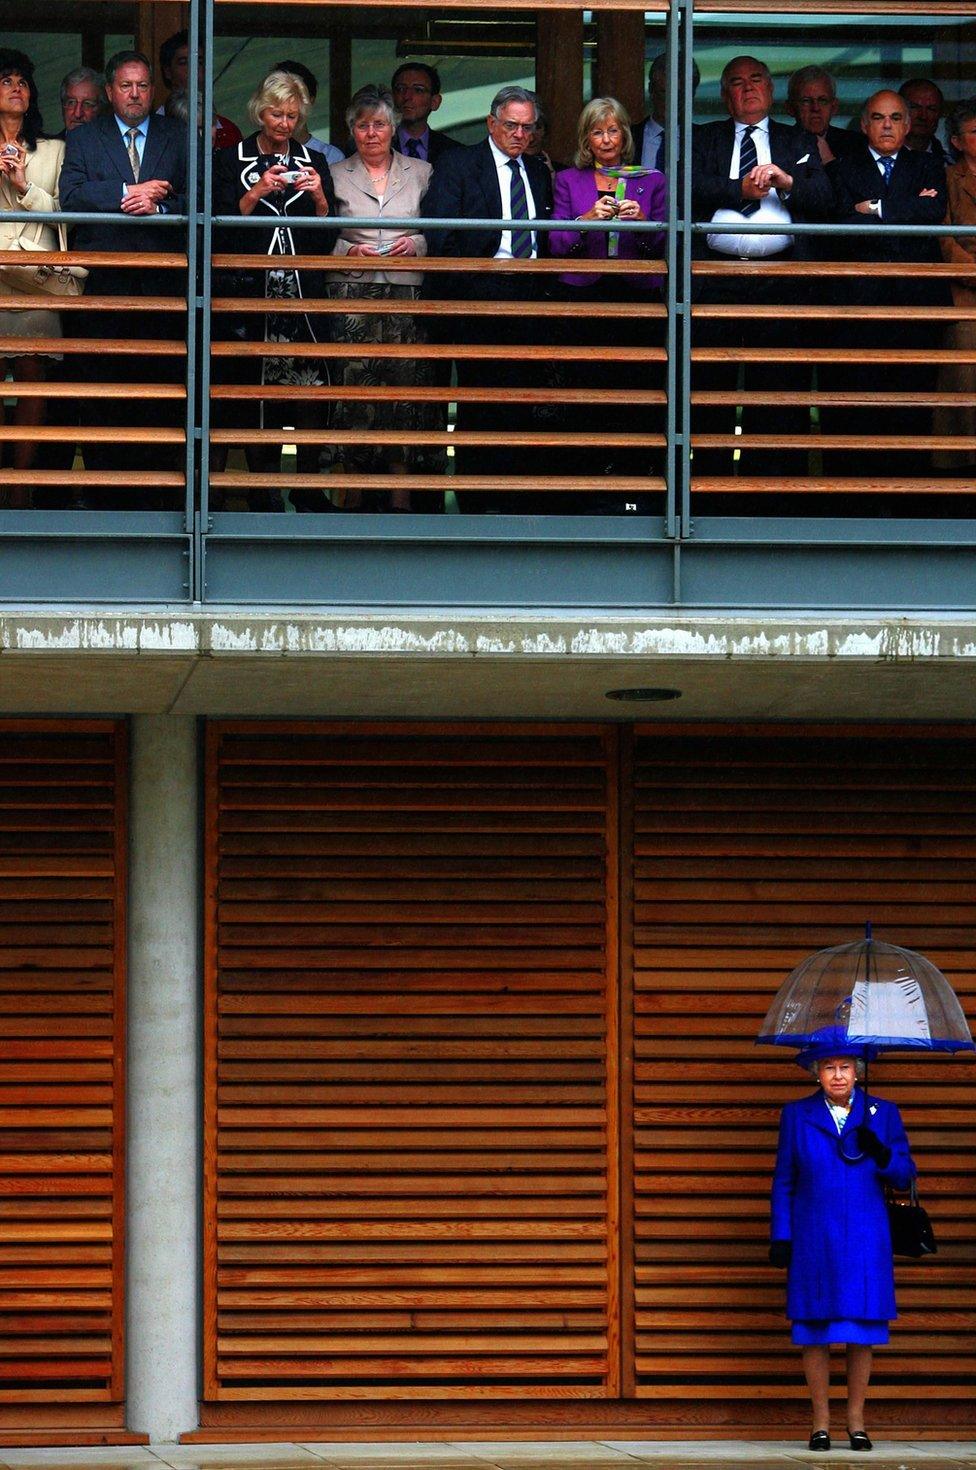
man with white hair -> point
(493, 180)
(750, 169)
(812, 100)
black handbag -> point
(911, 1228)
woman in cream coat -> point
(376, 181)
(29, 170)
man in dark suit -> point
(812, 100)
(751, 169)
(493, 180)
(648, 134)
(888, 183)
(926, 105)
(130, 162)
(416, 89)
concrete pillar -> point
(163, 1145)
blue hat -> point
(831, 1041)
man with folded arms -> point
(129, 161)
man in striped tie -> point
(494, 180)
(129, 161)
(753, 170)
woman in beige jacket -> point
(374, 182)
(960, 377)
(29, 170)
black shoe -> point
(859, 1440)
(819, 1440)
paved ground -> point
(508, 1455)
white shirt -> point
(879, 204)
(771, 211)
(839, 1113)
(502, 160)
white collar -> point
(879, 156)
(762, 126)
(502, 160)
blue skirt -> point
(824, 1332)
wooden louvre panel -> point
(751, 850)
(411, 1125)
(62, 947)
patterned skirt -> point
(405, 373)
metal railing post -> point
(206, 298)
(672, 339)
(686, 11)
(192, 300)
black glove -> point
(781, 1253)
(869, 1143)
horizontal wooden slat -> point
(61, 1187)
(441, 1158)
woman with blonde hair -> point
(270, 176)
(587, 192)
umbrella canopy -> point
(863, 999)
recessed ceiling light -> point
(647, 695)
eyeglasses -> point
(512, 128)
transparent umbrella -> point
(866, 998)
(863, 999)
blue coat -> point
(834, 1212)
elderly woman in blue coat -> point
(837, 1150)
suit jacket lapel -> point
(115, 148)
(818, 1115)
(489, 180)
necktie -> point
(413, 148)
(748, 158)
(133, 152)
(521, 239)
(887, 166)
(659, 157)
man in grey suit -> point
(131, 162)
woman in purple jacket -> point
(838, 1148)
(586, 192)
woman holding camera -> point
(270, 176)
(587, 192)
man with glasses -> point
(493, 180)
(82, 96)
(812, 100)
(416, 91)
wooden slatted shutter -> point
(749, 851)
(411, 1122)
(62, 949)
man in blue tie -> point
(416, 89)
(128, 162)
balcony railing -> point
(608, 480)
